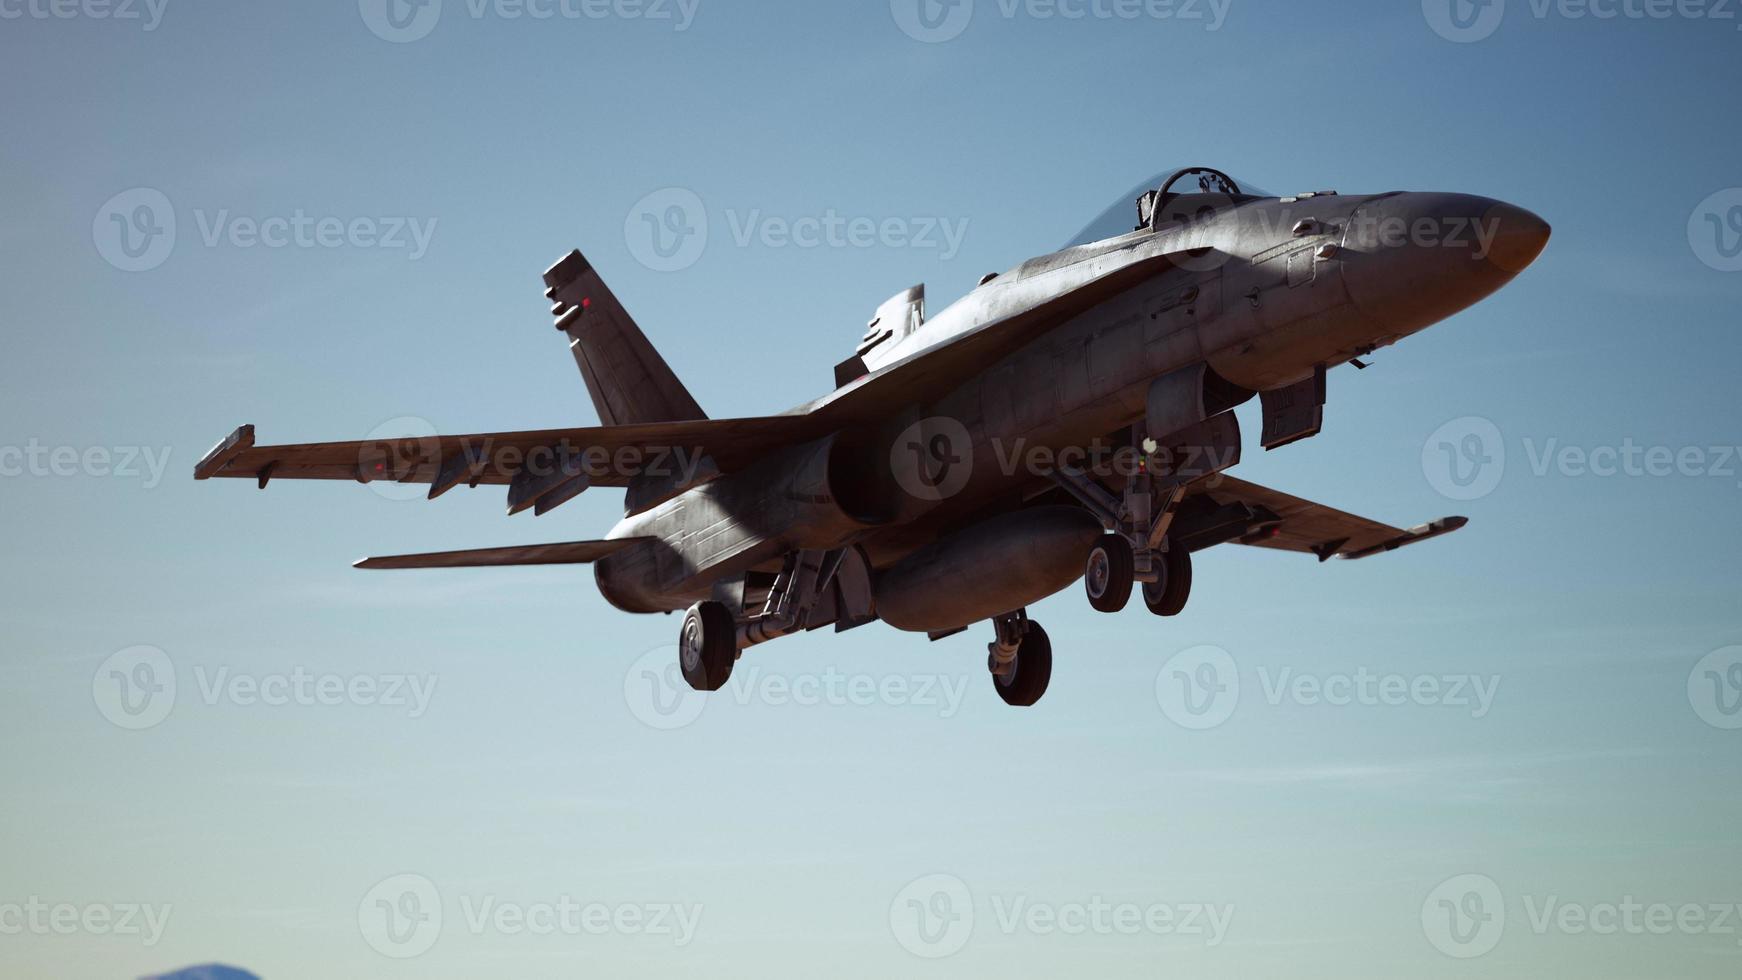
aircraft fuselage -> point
(1265, 291)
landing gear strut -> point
(1138, 548)
(712, 635)
(1020, 660)
(1139, 545)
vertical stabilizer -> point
(627, 378)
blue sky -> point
(798, 817)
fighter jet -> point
(1069, 419)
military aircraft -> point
(1071, 418)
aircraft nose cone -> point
(1411, 260)
(1518, 237)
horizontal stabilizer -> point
(573, 553)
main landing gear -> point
(1137, 549)
(708, 645)
(713, 635)
(1111, 573)
(1167, 595)
(1020, 659)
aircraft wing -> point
(607, 456)
(500, 458)
(1291, 524)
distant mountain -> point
(211, 971)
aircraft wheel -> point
(708, 645)
(1025, 684)
(1167, 595)
(1108, 577)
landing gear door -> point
(1294, 413)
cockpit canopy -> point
(1189, 191)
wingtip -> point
(220, 455)
(1415, 535)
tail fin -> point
(629, 381)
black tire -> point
(1033, 672)
(1107, 577)
(707, 645)
(1167, 596)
